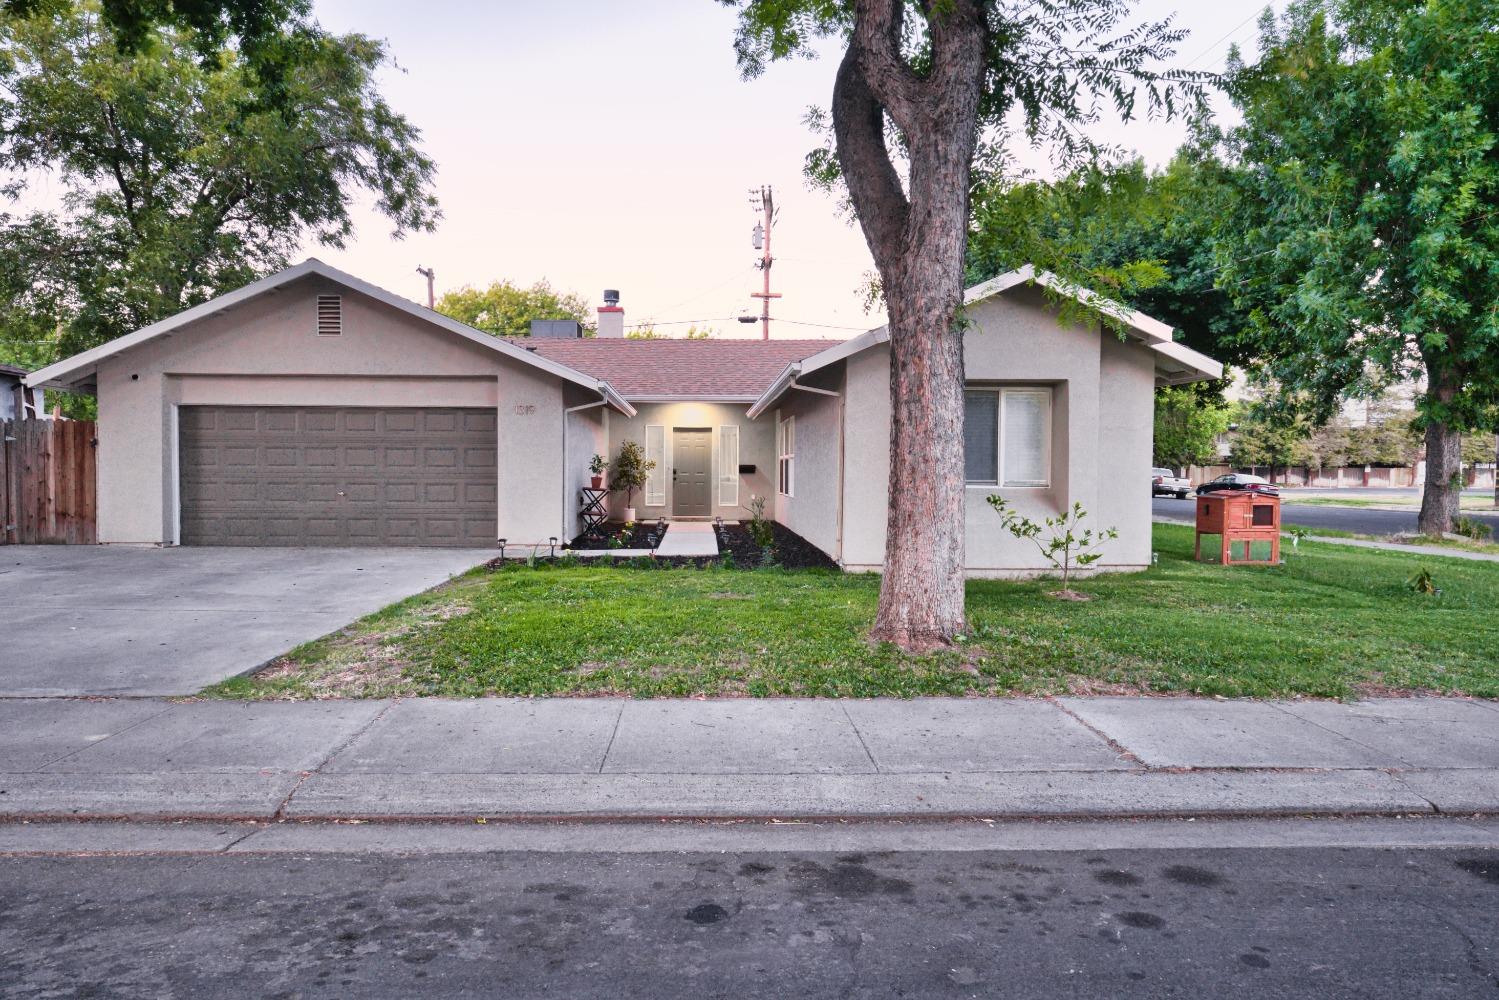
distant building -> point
(18, 400)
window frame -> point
(999, 392)
(786, 457)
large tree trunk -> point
(1442, 495)
(918, 242)
(921, 594)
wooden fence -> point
(48, 482)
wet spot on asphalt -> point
(1140, 919)
(755, 868)
(1254, 960)
(706, 913)
(847, 880)
(1117, 876)
(1484, 868)
(1199, 878)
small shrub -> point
(1473, 528)
(759, 526)
(1297, 533)
(727, 562)
(568, 561)
(1063, 547)
(1424, 583)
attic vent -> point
(330, 315)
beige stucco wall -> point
(587, 436)
(812, 511)
(265, 352)
(1101, 431)
(756, 447)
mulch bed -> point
(616, 535)
(789, 549)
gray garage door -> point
(282, 475)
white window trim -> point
(727, 457)
(999, 392)
(654, 494)
(786, 457)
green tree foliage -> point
(506, 309)
(260, 28)
(1187, 425)
(177, 183)
(1365, 237)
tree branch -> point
(876, 44)
(874, 186)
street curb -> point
(1111, 795)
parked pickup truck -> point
(1164, 482)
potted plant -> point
(628, 474)
(596, 465)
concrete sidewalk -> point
(623, 759)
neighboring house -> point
(18, 401)
(313, 408)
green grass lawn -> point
(1335, 621)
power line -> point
(1232, 31)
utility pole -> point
(431, 276)
(762, 200)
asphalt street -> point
(1290, 922)
(1360, 520)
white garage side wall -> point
(756, 447)
(1101, 413)
(1126, 430)
(812, 511)
(531, 467)
(266, 352)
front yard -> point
(1333, 622)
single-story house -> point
(312, 408)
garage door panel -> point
(337, 476)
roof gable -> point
(70, 371)
(1175, 363)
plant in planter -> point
(1064, 548)
(630, 469)
(596, 465)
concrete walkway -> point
(628, 760)
(692, 539)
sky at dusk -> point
(601, 144)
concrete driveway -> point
(105, 620)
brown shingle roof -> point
(698, 369)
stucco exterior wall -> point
(756, 447)
(266, 352)
(1101, 432)
(1126, 431)
(587, 436)
(812, 511)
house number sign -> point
(525, 409)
